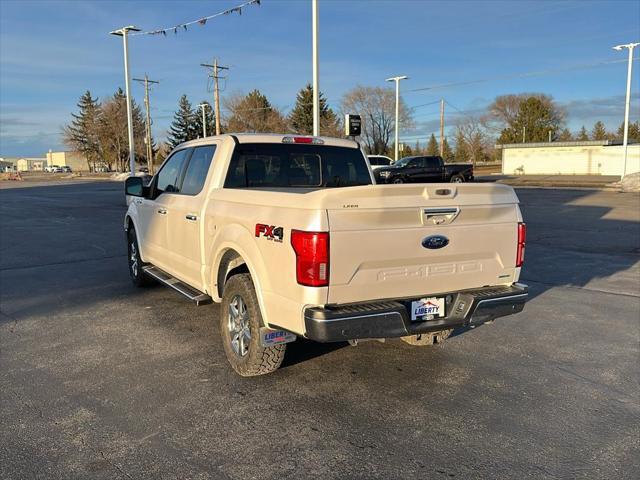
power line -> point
(518, 75)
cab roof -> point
(268, 138)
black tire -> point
(246, 355)
(397, 180)
(426, 339)
(457, 179)
(138, 277)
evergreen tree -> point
(185, 124)
(82, 134)
(209, 118)
(535, 118)
(634, 132)
(254, 113)
(417, 148)
(599, 131)
(565, 135)
(462, 151)
(582, 135)
(447, 152)
(432, 146)
(301, 117)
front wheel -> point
(457, 179)
(397, 180)
(240, 322)
(138, 277)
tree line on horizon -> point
(99, 129)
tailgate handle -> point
(439, 216)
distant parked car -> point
(143, 170)
(424, 170)
(378, 161)
(58, 170)
(51, 168)
(66, 169)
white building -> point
(569, 158)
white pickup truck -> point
(292, 235)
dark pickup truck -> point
(424, 170)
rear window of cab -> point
(264, 165)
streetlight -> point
(203, 106)
(397, 80)
(122, 32)
(316, 68)
(630, 47)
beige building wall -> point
(75, 160)
(570, 160)
(30, 164)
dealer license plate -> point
(426, 308)
(270, 337)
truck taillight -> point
(312, 257)
(522, 240)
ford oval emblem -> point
(435, 241)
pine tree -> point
(417, 148)
(582, 136)
(634, 132)
(184, 126)
(565, 135)
(432, 147)
(82, 134)
(301, 117)
(462, 151)
(599, 131)
(254, 113)
(535, 118)
(209, 118)
(447, 152)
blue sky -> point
(51, 52)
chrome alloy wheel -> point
(133, 258)
(238, 325)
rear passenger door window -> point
(197, 170)
(170, 175)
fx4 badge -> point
(270, 232)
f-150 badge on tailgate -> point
(270, 232)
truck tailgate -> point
(377, 237)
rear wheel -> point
(397, 180)
(457, 179)
(425, 339)
(240, 323)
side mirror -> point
(134, 187)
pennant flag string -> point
(200, 21)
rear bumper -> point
(388, 319)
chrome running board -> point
(188, 291)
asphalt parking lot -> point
(102, 380)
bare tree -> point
(473, 144)
(376, 106)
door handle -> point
(162, 211)
(191, 217)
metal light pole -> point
(203, 106)
(397, 80)
(316, 69)
(630, 47)
(123, 33)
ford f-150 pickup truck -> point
(424, 170)
(293, 237)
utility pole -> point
(203, 106)
(216, 92)
(442, 127)
(316, 69)
(122, 32)
(397, 80)
(625, 140)
(147, 123)
(524, 134)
